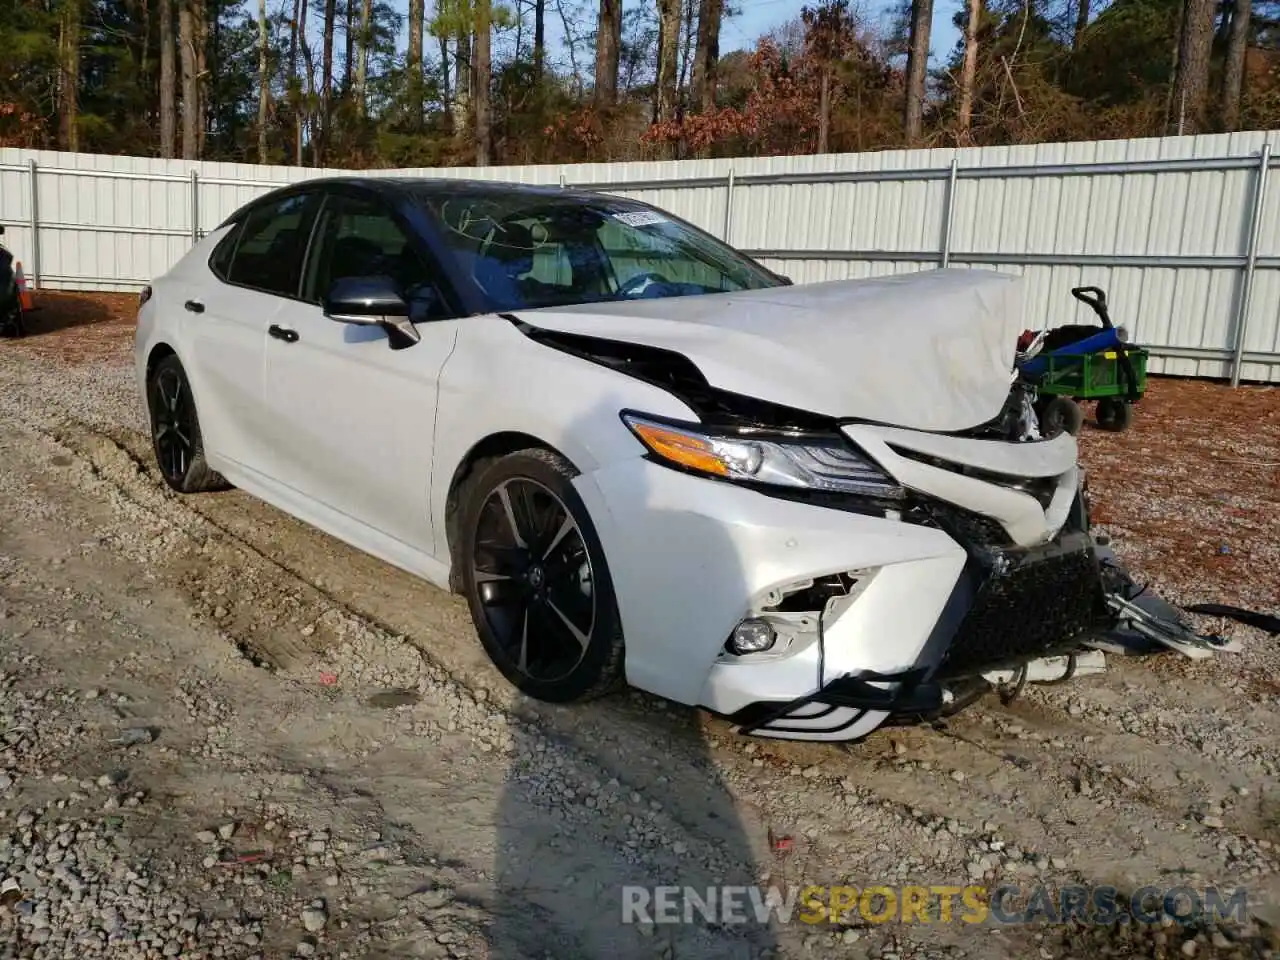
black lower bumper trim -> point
(914, 694)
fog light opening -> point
(752, 635)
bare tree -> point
(1233, 70)
(362, 64)
(608, 50)
(1191, 81)
(168, 81)
(69, 79)
(192, 116)
(917, 67)
(668, 54)
(481, 81)
(707, 54)
(968, 70)
(264, 86)
(326, 81)
(539, 37)
(1082, 21)
(413, 60)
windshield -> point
(526, 250)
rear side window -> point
(273, 242)
(220, 262)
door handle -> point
(194, 306)
(283, 333)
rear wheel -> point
(1113, 414)
(535, 577)
(175, 430)
(1059, 415)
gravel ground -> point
(224, 734)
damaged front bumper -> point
(983, 575)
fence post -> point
(195, 207)
(1250, 262)
(948, 214)
(728, 207)
(561, 179)
(33, 275)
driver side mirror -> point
(372, 302)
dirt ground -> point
(329, 766)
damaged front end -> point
(1037, 599)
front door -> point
(355, 419)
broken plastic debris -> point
(780, 844)
(328, 679)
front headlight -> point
(806, 463)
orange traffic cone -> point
(24, 292)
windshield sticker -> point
(640, 218)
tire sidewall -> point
(556, 474)
(172, 363)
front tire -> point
(175, 430)
(535, 577)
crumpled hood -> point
(930, 351)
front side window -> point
(529, 251)
(272, 245)
(358, 237)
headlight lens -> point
(805, 463)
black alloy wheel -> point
(536, 579)
(175, 430)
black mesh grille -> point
(1038, 605)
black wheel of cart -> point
(1113, 414)
(1061, 414)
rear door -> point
(254, 270)
(353, 420)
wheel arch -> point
(159, 352)
(491, 447)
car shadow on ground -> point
(57, 311)
(572, 853)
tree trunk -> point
(824, 109)
(326, 82)
(348, 63)
(608, 47)
(446, 92)
(707, 54)
(1191, 84)
(69, 87)
(413, 62)
(968, 71)
(1233, 71)
(199, 15)
(264, 85)
(362, 64)
(462, 68)
(668, 53)
(480, 83)
(539, 37)
(187, 39)
(1082, 21)
(168, 82)
(917, 68)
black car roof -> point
(418, 188)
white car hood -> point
(930, 351)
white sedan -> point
(642, 456)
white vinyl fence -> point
(1182, 232)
